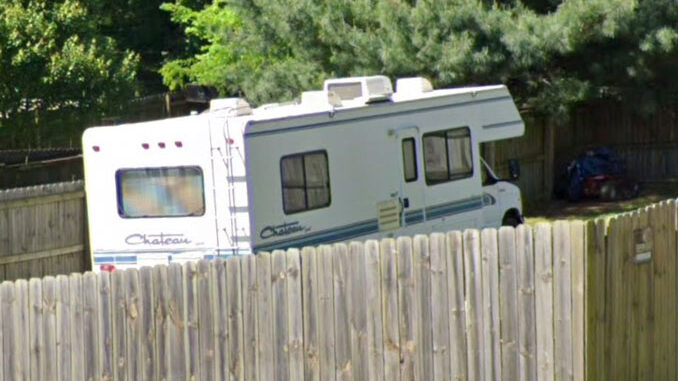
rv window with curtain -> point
(160, 192)
(305, 181)
(447, 155)
(409, 160)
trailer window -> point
(409, 160)
(305, 181)
(160, 192)
(447, 155)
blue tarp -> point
(594, 162)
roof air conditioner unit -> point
(360, 90)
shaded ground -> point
(588, 209)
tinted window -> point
(305, 181)
(409, 160)
(447, 155)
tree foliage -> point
(51, 56)
(142, 27)
(551, 53)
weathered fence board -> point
(191, 312)
(473, 305)
(406, 305)
(508, 306)
(562, 301)
(49, 325)
(295, 322)
(527, 340)
(389, 307)
(543, 273)
(422, 306)
(326, 311)
(457, 305)
(7, 334)
(133, 319)
(264, 317)
(161, 322)
(356, 291)
(178, 353)
(36, 334)
(147, 322)
(280, 316)
(440, 322)
(105, 334)
(249, 314)
(236, 368)
(375, 339)
(311, 317)
(490, 305)
(595, 297)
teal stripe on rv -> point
(372, 226)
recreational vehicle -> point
(355, 160)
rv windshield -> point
(160, 192)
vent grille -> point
(389, 215)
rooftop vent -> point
(320, 99)
(414, 85)
(360, 90)
(234, 106)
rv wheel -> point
(511, 218)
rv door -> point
(411, 194)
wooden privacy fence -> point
(490, 305)
(43, 231)
(633, 296)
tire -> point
(511, 219)
(608, 191)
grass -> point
(549, 211)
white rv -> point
(353, 161)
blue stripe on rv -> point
(372, 226)
(452, 208)
(115, 259)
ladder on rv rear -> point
(227, 155)
(230, 188)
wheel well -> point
(510, 216)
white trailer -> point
(352, 161)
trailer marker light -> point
(229, 141)
(96, 148)
(179, 144)
(145, 145)
(161, 145)
(109, 268)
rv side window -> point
(160, 192)
(447, 155)
(305, 181)
(409, 160)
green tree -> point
(552, 54)
(142, 27)
(53, 58)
